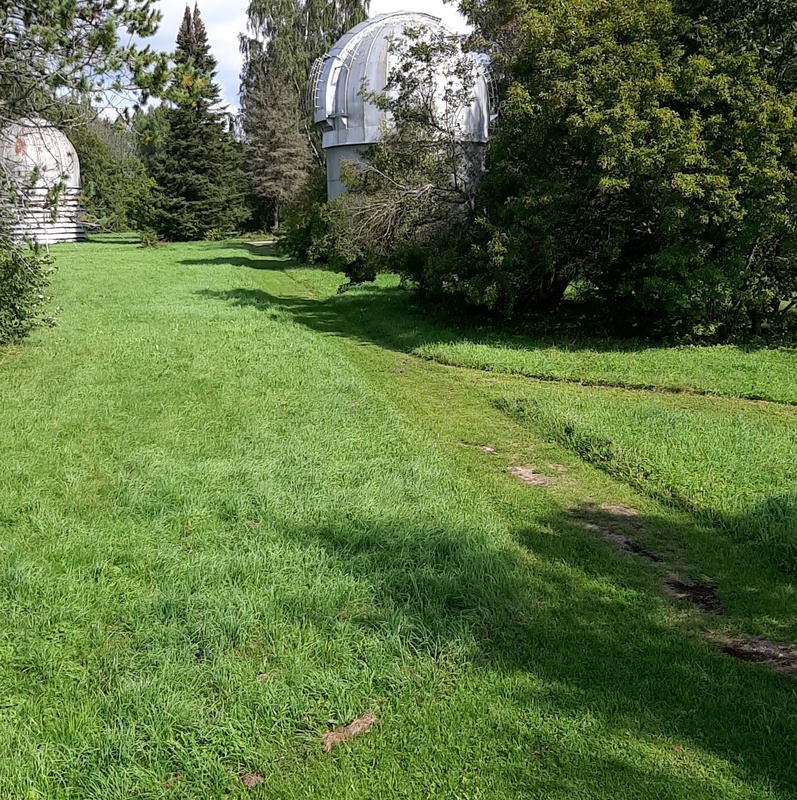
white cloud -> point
(226, 19)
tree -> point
(764, 27)
(116, 190)
(278, 159)
(49, 51)
(284, 39)
(49, 48)
(413, 191)
(199, 176)
(641, 157)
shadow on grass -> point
(392, 318)
(114, 238)
(401, 319)
(586, 646)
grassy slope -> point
(234, 514)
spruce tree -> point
(284, 38)
(199, 175)
(278, 159)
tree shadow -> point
(400, 318)
(114, 238)
(574, 638)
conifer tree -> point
(199, 175)
(284, 38)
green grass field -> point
(238, 510)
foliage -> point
(291, 34)
(305, 228)
(199, 174)
(412, 192)
(640, 156)
(765, 28)
(283, 39)
(277, 156)
(53, 56)
(150, 126)
(116, 190)
(24, 275)
(82, 47)
(149, 239)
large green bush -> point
(116, 190)
(640, 155)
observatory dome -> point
(35, 159)
(362, 59)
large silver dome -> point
(362, 58)
(38, 163)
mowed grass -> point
(234, 515)
(731, 464)
(755, 373)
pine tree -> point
(285, 37)
(199, 175)
(278, 159)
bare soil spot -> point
(703, 596)
(777, 656)
(251, 779)
(619, 510)
(614, 523)
(175, 779)
(528, 475)
(485, 448)
(622, 542)
(362, 724)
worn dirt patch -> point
(614, 523)
(251, 779)
(173, 781)
(619, 511)
(703, 596)
(356, 727)
(755, 650)
(530, 476)
(485, 448)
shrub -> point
(24, 274)
(641, 154)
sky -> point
(225, 19)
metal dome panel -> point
(33, 147)
(362, 58)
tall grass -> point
(755, 373)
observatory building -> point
(362, 59)
(35, 160)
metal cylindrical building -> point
(40, 173)
(361, 59)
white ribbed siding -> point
(35, 158)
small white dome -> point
(34, 147)
(35, 158)
(362, 58)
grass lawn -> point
(753, 374)
(237, 511)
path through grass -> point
(235, 515)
